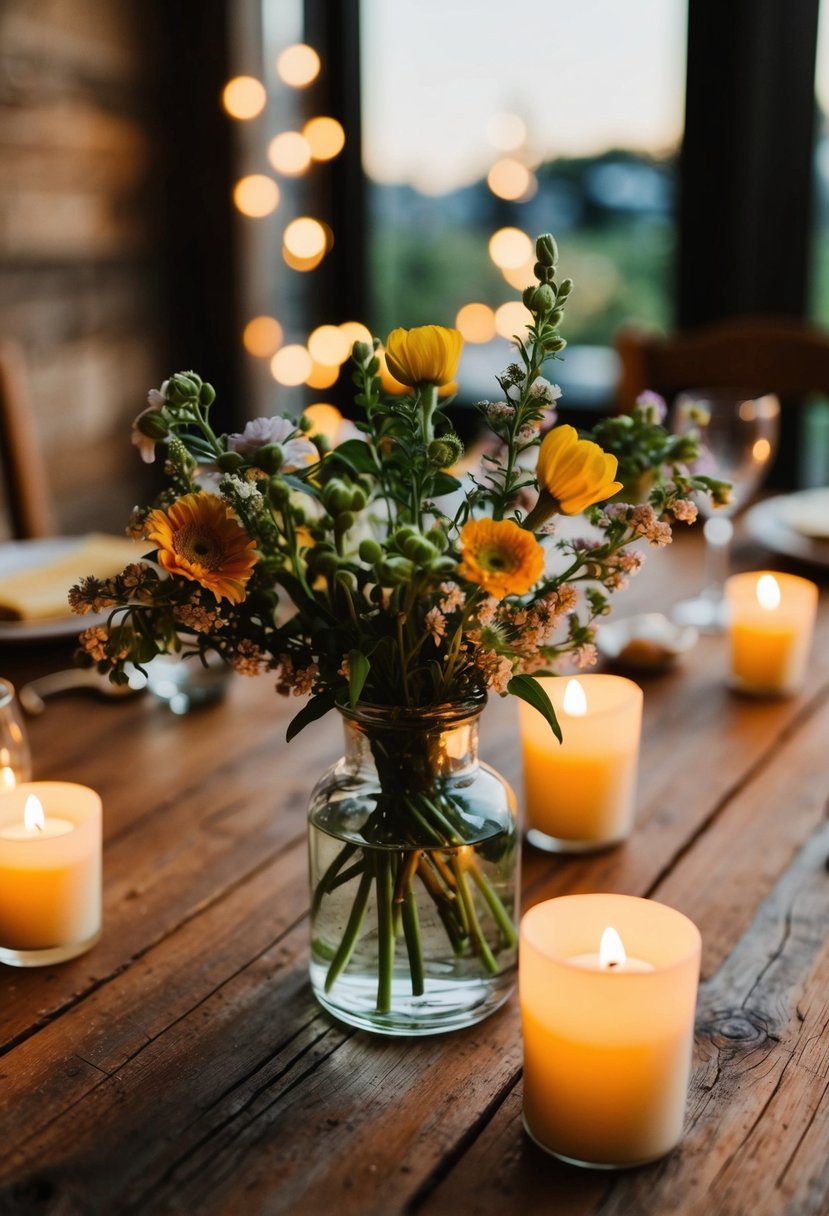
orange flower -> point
(199, 537)
(500, 557)
(427, 354)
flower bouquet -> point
(375, 578)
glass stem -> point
(718, 532)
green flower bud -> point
(345, 520)
(565, 288)
(546, 249)
(270, 458)
(344, 578)
(324, 562)
(554, 344)
(153, 424)
(304, 424)
(444, 565)
(362, 353)
(438, 538)
(207, 394)
(402, 535)
(418, 549)
(395, 570)
(279, 492)
(370, 552)
(543, 299)
(359, 498)
(336, 496)
(229, 462)
(184, 386)
(445, 451)
(528, 295)
(555, 317)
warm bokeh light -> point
(244, 97)
(521, 276)
(323, 375)
(325, 420)
(298, 65)
(511, 180)
(506, 131)
(256, 195)
(512, 318)
(289, 153)
(476, 322)
(262, 337)
(291, 365)
(301, 264)
(355, 331)
(761, 450)
(325, 137)
(329, 345)
(305, 237)
(510, 247)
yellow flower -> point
(500, 557)
(428, 354)
(575, 472)
(199, 537)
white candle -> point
(607, 1050)
(50, 872)
(580, 794)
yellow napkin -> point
(40, 592)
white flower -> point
(544, 391)
(297, 451)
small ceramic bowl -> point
(649, 641)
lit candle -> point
(771, 620)
(607, 1048)
(580, 794)
(50, 872)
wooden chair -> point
(21, 459)
(782, 355)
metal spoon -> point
(85, 678)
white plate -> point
(19, 555)
(773, 524)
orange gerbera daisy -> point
(500, 557)
(199, 537)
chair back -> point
(24, 481)
(781, 355)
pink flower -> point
(297, 451)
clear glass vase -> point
(414, 868)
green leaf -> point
(356, 455)
(529, 690)
(444, 483)
(358, 669)
(317, 707)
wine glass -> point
(15, 759)
(737, 432)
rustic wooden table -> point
(182, 1065)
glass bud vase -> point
(414, 867)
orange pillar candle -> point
(771, 621)
(580, 794)
(50, 872)
(607, 1041)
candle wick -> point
(613, 963)
(39, 826)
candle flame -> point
(7, 778)
(768, 592)
(575, 701)
(611, 951)
(33, 814)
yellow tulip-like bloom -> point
(500, 557)
(428, 354)
(573, 474)
(200, 538)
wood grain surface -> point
(182, 1065)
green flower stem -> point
(422, 821)
(352, 931)
(445, 902)
(347, 875)
(499, 912)
(405, 873)
(414, 946)
(325, 883)
(466, 901)
(385, 929)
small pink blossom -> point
(298, 452)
